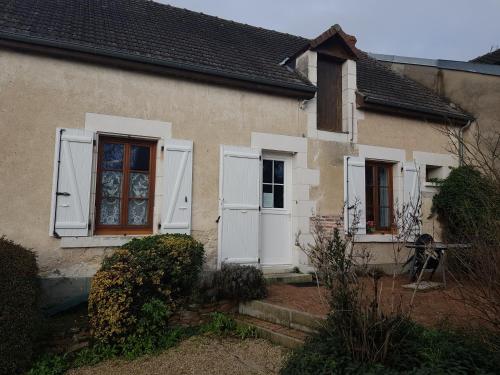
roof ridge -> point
(227, 20)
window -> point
(273, 183)
(379, 207)
(125, 186)
(329, 94)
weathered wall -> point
(39, 94)
(478, 94)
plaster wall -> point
(39, 94)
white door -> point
(239, 205)
(275, 217)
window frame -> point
(124, 228)
(273, 159)
(375, 165)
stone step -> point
(277, 334)
(288, 278)
(284, 316)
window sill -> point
(374, 238)
(96, 241)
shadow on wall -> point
(61, 293)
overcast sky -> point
(444, 29)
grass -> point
(137, 346)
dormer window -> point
(329, 94)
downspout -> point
(461, 142)
(347, 193)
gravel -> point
(200, 355)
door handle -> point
(244, 211)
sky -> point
(435, 29)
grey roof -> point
(473, 66)
(145, 31)
(492, 58)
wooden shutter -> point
(329, 94)
(354, 193)
(72, 183)
(177, 177)
(411, 195)
(239, 205)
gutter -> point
(308, 91)
(463, 118)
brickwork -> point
(326, 222)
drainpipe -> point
(347, 194)
(461, 142)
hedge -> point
(20, 315)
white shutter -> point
(177, 182)
(411, 194)
(71, 183)
(239, 205)
(354, 193)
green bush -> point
(19, 306)
(468, 205)
(420, 351)
(241, 283)
(139, 286)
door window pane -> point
(113, 156)
(267, 171)
(279, 171)
(273, 188)
(267, 196)
(278, 196)
(139, 158)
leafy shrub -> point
(235, 282)
(420, 351)
(19, 306)
(223, 325)
(467, 204)
(133, 347)
(138, 286)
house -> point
(127, 118)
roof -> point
(154, 33)
(492, 58)
(464, 66)
(157, 32)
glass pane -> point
(279, 171)
(110, 211)
(267, 171)
(138, 212)
(138, 185)
(111, 184)
(383, 179)
(267, 196)
(112, 156)
(369, 175)
(139, 158)
(278, 196)
(384, 217)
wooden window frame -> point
(124, 228)
(375, 165)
